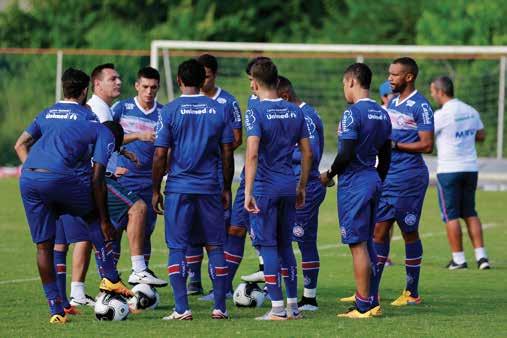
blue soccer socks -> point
(60, 262)
(272, 273)
(310, 265)
(194, 256)
(54, 300)
(413, 254)
(218, 273)
(177, 271)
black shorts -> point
(456, 194)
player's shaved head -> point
(265, 73)
(360, 72)
(117, 131)
(444, 83)
(408, 64)
(209, 61)
(74, 81)
(191, 73)
(148, 73)
(97, 71)
(248, 69)
(285, 88)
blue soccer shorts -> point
(71, 229)
(193, 219)
(46, 196)
(239, 216)
(402, 200)
(307, 219)
(456, 195)
(357, 206)
(119, 201)
(272, 226)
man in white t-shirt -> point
(457, 127)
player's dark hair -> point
(74, 81)
(284, 85)
(444, 83)
(409, 64)
(209, 61)
(253, 61)
(117, 131)
(361, 72)
(97, 71)
(148, 73)
(192, 73)
(265, 72)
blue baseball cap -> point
(385, 89)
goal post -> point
(315, 70)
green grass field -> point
(455, 303)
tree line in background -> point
(27, 82)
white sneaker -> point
(146, 277)
(294, 314)
(270, 315)
(187, 315)
(218, 314)
(210, 297)
(256, 277)
(87, 300)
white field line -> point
(321, 248)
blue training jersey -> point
(316, 136)
(279, 125)
(252, 101)
(134, 119)
(368, 124)
(408, 117)
(194, 127)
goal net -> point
(316, 72)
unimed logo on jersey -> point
(427, 114)
(61, 115)
(249, 119)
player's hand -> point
(120, 171)
(325, 180)
(300, 198)
(251, 204)
(157, 202)
(226, 198)
(131, 156)
(148, 136)
(108, 230)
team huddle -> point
(92, 170)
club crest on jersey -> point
(221, 100)
(249, 119)
(298, 230)
(410, 103)
(410, 219)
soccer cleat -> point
(256, 277)
(187, 315)
(308, 304)
(483, 264)
(210, 297)
(58, 319)
(71, 310)
(376, 311)
(293, 314)
(270, 315)
(351, 299)
(406, 299)
(118, 288)
(218, 314)
(354, 313)
(194, 289)
(452, 265)
(146, 277)
(87, 300)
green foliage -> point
(27, 83)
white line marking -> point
(321, 248)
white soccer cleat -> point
(274, 316)
(187, 315)
(146, 277)
(87, 300)
(256, 277)
(218, 314)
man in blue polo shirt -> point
(193, 134)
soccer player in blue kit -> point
(194, 254)
(307, 218)
(193, 134)
(138, 117)
(272, 192)
(56, 151)
(405, 186)
(364, 132)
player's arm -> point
(99, 190)
(343, 158)
(424, 145)
(251, 160)
(160, 160)
(227, 172)
(238, 138)
(384, 160)
(306, 166)
(23, 145)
